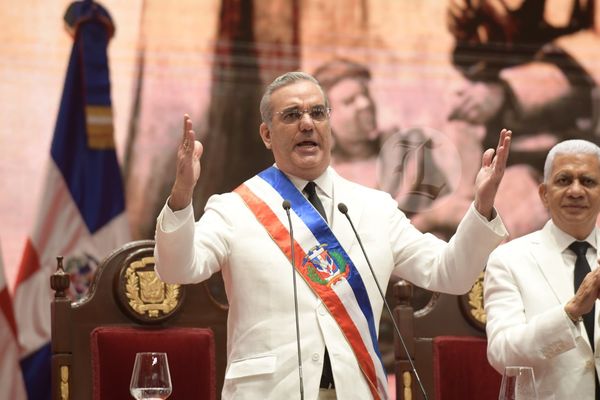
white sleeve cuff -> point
(575, 327)
(173, 220)
(496, 224)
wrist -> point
(485, 211)
(575, 319)
(178, 199)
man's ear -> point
(543, 192)
(265, 134)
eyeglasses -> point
(293, 115)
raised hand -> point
(493, 164)
(188, 167)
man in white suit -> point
(536, 315)
(245, 235)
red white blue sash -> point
(322, 262)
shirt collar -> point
(564, 240)
(324, 182)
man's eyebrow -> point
(564, 172)
(291, 108)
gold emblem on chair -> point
(476, 300)
(146, 293)
(153, 289)
(472, 305)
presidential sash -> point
(323, 264)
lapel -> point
(349, 194)
(549, 261)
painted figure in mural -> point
(528, 64)
(400, 163)
(357, 138)
(531, 65)
(244, 234)
(540, 295)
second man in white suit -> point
(540, 296)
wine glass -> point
(151, 378)
(518, 383)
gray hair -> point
(286, 79)
(574, 146)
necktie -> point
(581, 270)
(582, 267)
(327, 374)
(311, 192)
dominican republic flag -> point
(81, 213)
(11, 380)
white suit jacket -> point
(527, 284)
(261, 341)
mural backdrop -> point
(418, 89)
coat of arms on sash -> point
(325, 267)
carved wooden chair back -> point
(125, 292)
(447, 343)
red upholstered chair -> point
(461, 370)
(128, 310)
(190, 351)
(447, 344)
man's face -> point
(572, 193)
(301, 148)
(353, 116)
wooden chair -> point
(128, 310)
(446, 342)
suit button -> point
(589, 364)
(316, 357)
